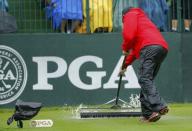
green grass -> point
(178, 119)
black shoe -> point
(155, 116)
(164, 111)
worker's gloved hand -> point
(125, 53)
(122, 72)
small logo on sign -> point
(13, 74)
(41, 123)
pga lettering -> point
(73, 72)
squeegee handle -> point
(119, 83)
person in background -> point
(66, 14)
(4, 6)
(173, 13)
(157, 11)
(118, 5)
(186, 14)
(100, 16)
(8, 23)
(187, 11)
(72, 15)
(142, 40)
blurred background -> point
(89, 16)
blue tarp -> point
(157, 11)
(64, 9)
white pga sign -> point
(13, 73)
(41, 123)
(74, 75)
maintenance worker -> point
(142, 40)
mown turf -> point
(178, 119)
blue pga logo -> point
(13, 74)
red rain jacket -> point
(138, 32)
